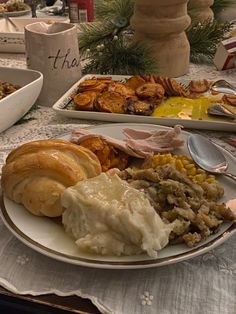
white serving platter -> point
(48, 237)
(61, 108)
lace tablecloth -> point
(205, 284)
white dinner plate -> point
(61, 107)
(48, 237)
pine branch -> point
(120, 58)
(204, 38)
(118, 12)
(105, 9)
(94, 34)
(112, 16)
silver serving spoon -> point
(207, 155)
(224, 87)
(220, 110)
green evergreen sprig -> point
(112, 18)
(93, 34)
(204, 38)
(119, 57)
(117, 11)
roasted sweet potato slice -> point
(121, 89)
(139, 107)
(177, 88)
(108, 156)
(101, 86)
(163, 81)
(148, 90)
(111, 102)
(229, 99)
(149, 78)
(94, 84)
(85, 100)
(87, 84)
(100, 148)
(199, 86)
(172, 86)
(134, 82)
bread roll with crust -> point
(36, 173)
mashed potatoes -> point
(106, 216)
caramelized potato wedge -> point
(148, 90)
(229, 99)
(199, 86)
(111, 102)
(121, 89)
(109, 156)
(139, 107)
(85, 101)
(95, 84)
(134, 82)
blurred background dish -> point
(15, 105)
(14, 42)
(13, 8)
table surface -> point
(110, 291)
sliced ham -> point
(153, 141)
(138, 143)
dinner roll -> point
(36, 173)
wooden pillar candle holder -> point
(200, 10)
(160, 24)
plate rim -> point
(92, 263)
(79, 261)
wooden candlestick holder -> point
(160, 24)
(200, 10)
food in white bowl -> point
(13, 6)
(17, 104)
(7, 88)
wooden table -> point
(46, 304)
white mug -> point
(53, 50)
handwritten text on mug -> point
(62, 61)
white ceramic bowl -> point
(16, 105)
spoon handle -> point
(230, 175)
